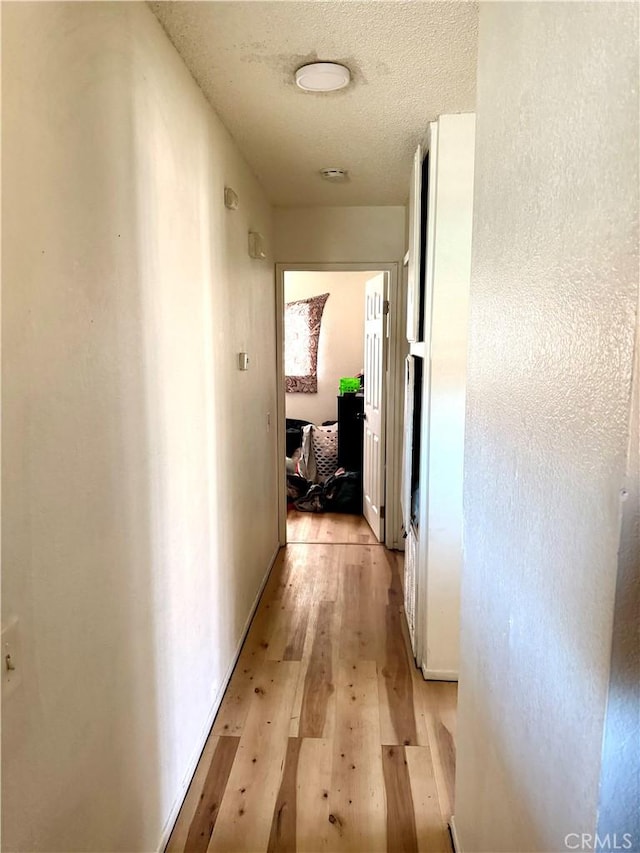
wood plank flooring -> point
(327, 527)
(328, 739)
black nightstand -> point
(350, 431)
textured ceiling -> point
(410, 61)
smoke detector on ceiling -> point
(323, 77)
(336, 176)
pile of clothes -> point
(340, 492)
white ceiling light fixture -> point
(323, 77)
(336, 176)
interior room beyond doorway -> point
(324, 341)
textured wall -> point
(128, 292)
(553, 313)
(619, 810)
(314, 235)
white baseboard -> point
(455, 840)
(439, 674)
(202, 740)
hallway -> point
(328, 738)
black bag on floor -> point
(313, 501)
(343, 493)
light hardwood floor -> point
(327, 739)
(327, 527)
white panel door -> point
(374, 375)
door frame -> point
(394, 395)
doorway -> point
(330, 300)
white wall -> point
(127, 294)
(313, 235)
(553, 312)
(341, 344)
(618, 810)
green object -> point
(349, 385)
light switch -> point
(243, 361)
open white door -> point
(374, 376)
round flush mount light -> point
(323, 77)
(336, 176)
